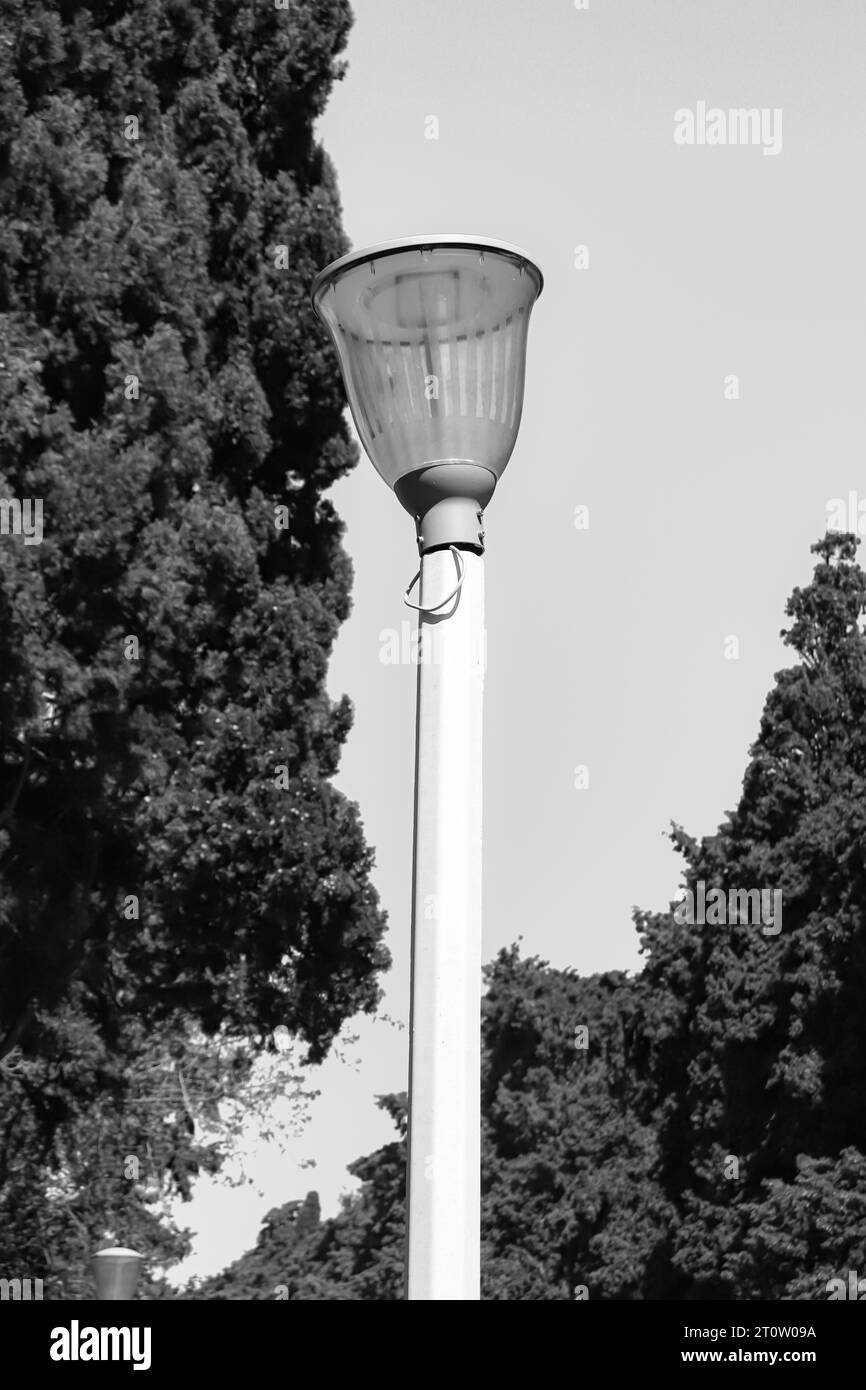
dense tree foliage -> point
(696, 1132)
(170, 840)
(570, 1204)
(762, 1046)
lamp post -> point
(431, 337)
(116, 1272)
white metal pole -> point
(444, 1179)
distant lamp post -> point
(431, 337)
(116, 1271)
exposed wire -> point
(461, 571)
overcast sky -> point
(643, 646)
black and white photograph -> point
(432, 673)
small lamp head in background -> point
(116, 1271)
(431, 337)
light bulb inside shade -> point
(426, 300)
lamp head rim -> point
(446, 241)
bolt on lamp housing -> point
(431, 337)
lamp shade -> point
(116, 1272)
(431, 337)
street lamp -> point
(116, 1271)
(431, 338)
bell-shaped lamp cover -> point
(431, 337)
(116, 1272)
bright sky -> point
(607, 646)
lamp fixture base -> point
(447, 500)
